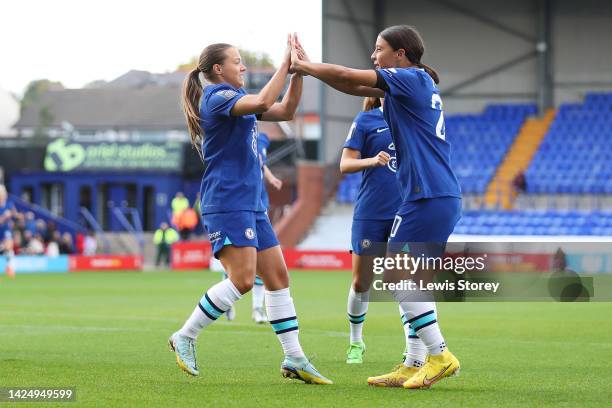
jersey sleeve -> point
(356, 136)
(400, 81)
(223, 100)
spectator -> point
(90, 245)
(50, 232)
(7, 210)
(30, 222)
(65, 244)
(520, 182)
(41, 228)
(179, 204)
(17, 242)
(20, 223)
(164, 237)
(36, 245)
(186, 223)
(79, 243)
(25, 240)
(53, 245)
(559, 261)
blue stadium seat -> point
(480, 142)
(575, 156)
(535, 222)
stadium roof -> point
(147, 108)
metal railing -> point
(96, 227)
(136, 228)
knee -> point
(360, 286)
(275, 278)
(244, 282)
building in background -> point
(118, 146)
(9, 113)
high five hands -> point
(297, 54)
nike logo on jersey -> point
(381, 130)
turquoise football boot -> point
(301, 369)
(184, 348)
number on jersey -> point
(436, 103)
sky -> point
(76, 42)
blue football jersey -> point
(5, 221)
(413, 110)
(232, 178)
(379, 194)
(263, 142)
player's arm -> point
(358, 82)
(357, 90)
(285, 110)
(272, 179)
(263, 101)
(350, 81)
(351, 161)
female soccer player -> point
(222, 122)
(370, 149)
(257, 292)
(431, 198)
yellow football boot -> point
(395, 378)
(436, 368)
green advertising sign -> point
(65, 155)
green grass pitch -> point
(105, 334)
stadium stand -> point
(574, 158)
(535, 222)
(576, 154)
(480, 141)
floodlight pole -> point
(544, 49)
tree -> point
(45, 119)
(35, 89)
(252, 59)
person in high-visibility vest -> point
(179, 204)
(164, 237)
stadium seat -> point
(535, 222)
(575, 156)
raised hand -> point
(287, 56)
(301, 52)
(298, 55)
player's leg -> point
(368, 240)
(425, 226)
(167, 254)
(160, 253)
(235, 245)
(416, 352)
(357, 306)
(280, 307)
(258, 293)
(217, 266)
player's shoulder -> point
(222, 90)
(365, 118)
(406, 74)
